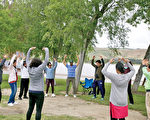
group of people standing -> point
(99, 80)
(34, 70)
(121, 85)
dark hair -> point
(130, 63)
(120, 67)
(48, 63)
(14, 61)
(98, 61)
(35, 62)
(24, 62)
(148, 66)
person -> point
(103, 78)
(127, 70)
(99, 79)
(50, 74)
(12, 80)
(118, 95)
(146, 72)
(71, 75)
(36, 86)
(2, 61)
(24, 80)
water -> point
(87, 71)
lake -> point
(87, 71)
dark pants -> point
(130, 93)
(103, 88)
(0, 93)
(48, 82)
(24, 87)
(38, 99)
(98, 83)
(13, 92)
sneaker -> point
(25, 97)
(15, 103)
(10, 104)
(94, 97)
(19, 98)
(53, 95)
(102, 99)
(74, 96)
(46, 95)
(130, 104)
(66, 95)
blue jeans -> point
(98, 83)
(13, 92)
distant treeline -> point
(134, 61)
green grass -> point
(44, 117)
(139, 97)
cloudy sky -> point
(139, 37)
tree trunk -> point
(80, 66)
(140, 73)
(90, 35)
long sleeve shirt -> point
(24, 71)
(118, 95)
(147, 75)
(98, 73)
(36, 74)
(50, 72)
(12, 71)
(1, 69)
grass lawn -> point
(44, 117)
(139, 100)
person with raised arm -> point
(50, 74)
(24, 80)
(146, 72)
(12, 80)
(71, 75)
(99, 77)
(119, 86)
(36, 86)
(127, 69)
(2, 61)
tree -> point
(141, 13)
(105, 20)
(140, 73)
(9, 25)
(79, 20)
(68, 26)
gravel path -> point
(67, 106)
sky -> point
(138, 37)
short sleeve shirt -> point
(71, 70)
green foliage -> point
(65, 25)
(140, 11)
(9, 41)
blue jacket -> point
(50, 72)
